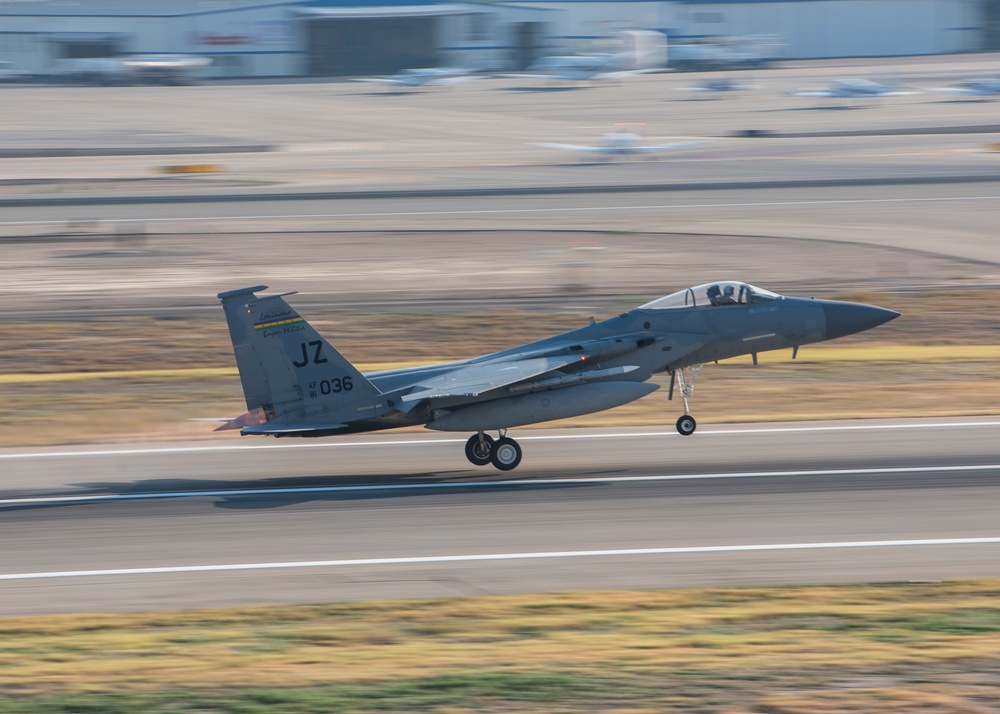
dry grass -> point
(917, 647)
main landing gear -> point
(503, 453)
(685, 377)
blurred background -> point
(438, 180)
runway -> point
(104, 528)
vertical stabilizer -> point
(289, 369)
(252, 374)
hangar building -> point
(247, 38)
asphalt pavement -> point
(108, 528)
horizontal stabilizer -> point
(289, 428)
(250, 418)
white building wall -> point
(487, 37)
(472, 41)
(845, 28)
(811, 28)
(267, 40)
(251, 42)
(27, 50)
(586, 26)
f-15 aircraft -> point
(856, 89)
(976, 87)
(621, 143)
(297, 384)
(423, 77)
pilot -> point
(727, 297)
(714, 294)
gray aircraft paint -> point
(297, 384)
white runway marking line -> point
(501, 556)
(523, 437)
(610, 480)
(493, 211)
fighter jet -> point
(423, 77)
(976, 87)
(855, 89)
(621, 143)
(296, 384)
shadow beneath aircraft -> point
(777, 477)
(283, 492)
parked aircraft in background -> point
(856, 89)
(727, 52)
(724, 84)
(976, 87)
(132, 69)
(10, 73)
(621, 143)
(423, 77)
(296, 384)
(584, 68)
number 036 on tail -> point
(297, 384)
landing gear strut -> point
(479, 448)
(685, 377)
(504, 453)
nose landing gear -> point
(684, 377)
(686, 425)
(504, 453)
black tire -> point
(474, 449)
(686, 425)
(506, 454)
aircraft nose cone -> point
(846, 318)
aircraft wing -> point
(621, 74)
(380, 80)
(578, 147)
(454, 80)
(667, 147)
(820, 93)
(513, 75)
(847, 93)
(472, 380)
(968, 91)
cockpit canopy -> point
(724, 292)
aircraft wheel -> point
(506, 454)
(479, 452)
(686, 425)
